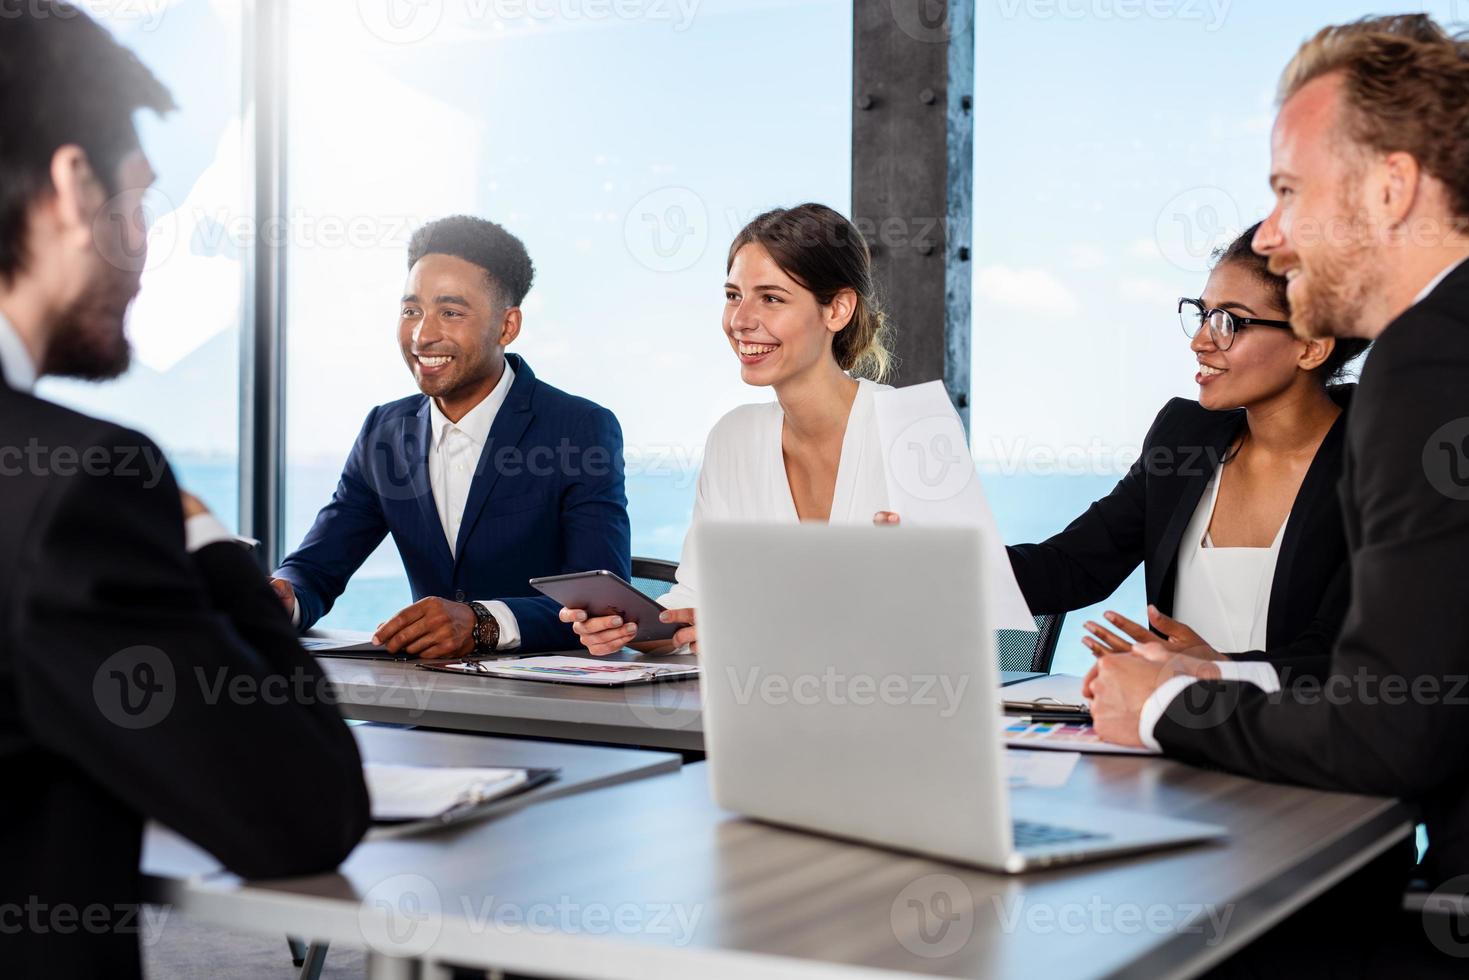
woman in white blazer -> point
(802, 316)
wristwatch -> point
(486, 629)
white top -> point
(744, 478)
(15, 360)
(1224, 593)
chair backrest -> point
(1017, 649)
(1022, 650)
(653, 576)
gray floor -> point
(178, 949)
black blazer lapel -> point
(1196, 465)
(508, 429)
(1317, 487)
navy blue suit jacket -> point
(547, 499)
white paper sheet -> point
(1039, 769)
(343, 641)
(420, 792)
(932, 481)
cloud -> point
(1027, 290)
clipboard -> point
(470, 808)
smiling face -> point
(1262, 362)
(453, 330)
(775, 325)
(1318, 236)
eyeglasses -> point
(1222, 324)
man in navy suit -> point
(487, 479)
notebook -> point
(570, 670)
(436, 795)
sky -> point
(1116, 142)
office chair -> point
(653, 576)
(1026, 651)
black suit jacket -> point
(140, 682)
(1143, 519)
(1391, 716)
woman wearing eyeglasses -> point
(1232, 507)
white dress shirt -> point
(1259, 673)
(454, 452)
(744, 478)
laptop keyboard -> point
(1031, 834)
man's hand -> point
(286, 592)
(1119, 684)
(1178, 638)
(601, 635)
(431, 628)
(193, 506)
(689, 634)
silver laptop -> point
(850, 687)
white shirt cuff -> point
(1257, 672)
(202, 530)
(509, 627)
(1154, 707)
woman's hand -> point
(689, 634)
(886, 518)
(1178, 639)
(601, 635)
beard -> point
(89, 341)
(1332, 299)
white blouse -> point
(1224, 593)
(744, 478)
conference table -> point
(648, 878)
(660, 716)
(657, 716)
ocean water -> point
(1028, 507)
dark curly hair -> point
(1241, 252)
(506, 263)
(63, 81)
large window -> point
(1116, 145)
(625, 143)
(182, 388)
